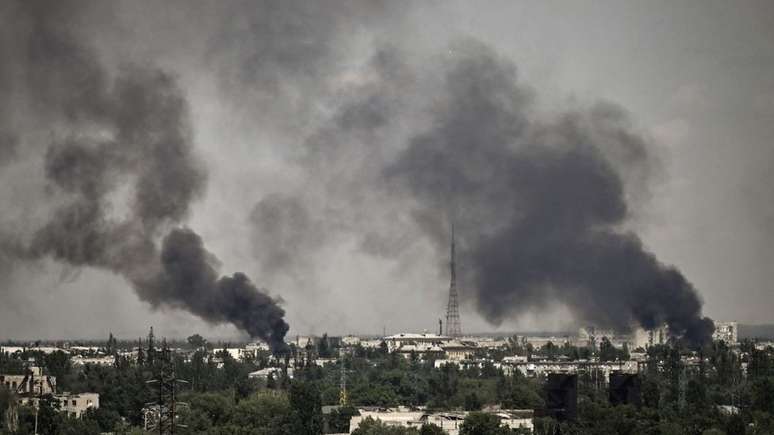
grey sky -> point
(696, 78)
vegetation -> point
(704, 392)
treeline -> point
(715, 389)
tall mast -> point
(453, 327)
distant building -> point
(537, 369)
(44, 349)
(645, 338)
(727, 332)
(395, 342)
(78, 360)
(75, 405)
(275, 372)
(350, 340)
(458, 350)
(420, 350)
(450, 421)
(33, 383)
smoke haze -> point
(325, 149)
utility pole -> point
(167, 391)
(343, 396)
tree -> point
(323, 347)
(270, 382)
(369, 426)
(481, 423)
(306, 406)
(112, 345)
(150, 355)
(607, 352)
(196, 342)
(431, 429)
(472, 402)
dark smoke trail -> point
(132, 130)
(541, 206)
(189, 279)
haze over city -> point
(605, 162)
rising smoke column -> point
(539, 204)
(129, 130)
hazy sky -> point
(286, 102)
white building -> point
(75, 405)
(350, 340)
(542, 368)
(448, 421)
(395, 342)
(726, 331)
(275, 372)
(78, 360)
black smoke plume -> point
(540, 205)
(128, 130)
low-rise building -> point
(543, 368)
(450, 421)
(75, 405)
(275, 372)
(458, 350)
(395, 342)
(32, 383)
(645, 338)
(78, 360)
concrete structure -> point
(643, 338)
(276, 372)
(542, 368)
(33, 383)
(394, 342)
(78, 360)
(727, 332)
(44, 349)
(258, 346)
(75, 405)
(371, 344)
(421, 350)
(448, 421)
(458, 350)
(350, 340)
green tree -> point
(481, 423)
(472, 402)
(306, 408)
(431, 429)
(607, 352)
(369, 426)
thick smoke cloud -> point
(381, 139)
(123, 172)
(540, 206)
(189, 280)
(541, 202)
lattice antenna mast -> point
(453, 327)
(166, 382)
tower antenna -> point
(453, 328)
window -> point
(74, 402)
